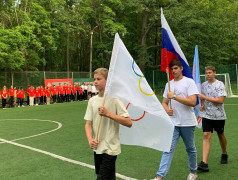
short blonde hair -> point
(210, 68)
(102, 71)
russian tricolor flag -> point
(171, 49)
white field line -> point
(55, 155)
(231, 104)
(59, 126)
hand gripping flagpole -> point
(167, 71)
(100, 119)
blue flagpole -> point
(196, 77)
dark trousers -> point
(21, 101)
(85, 94)
(41, 100)
(73, 97)
(77, 96)
(58, 98)
(67, 97)
(11, 101)
(28, 101)
(37, 100)
(62, 98)
(18, 101)
(105, 166)
(54, 98)
(80, 97)
(4, 101)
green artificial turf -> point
(70, 141)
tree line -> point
(54, 35)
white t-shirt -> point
(214, 111)
(183, 115)
(109, 129)
(89, 88)
(93, 89)
(83, 87)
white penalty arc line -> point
(59, 126)
(55, 155)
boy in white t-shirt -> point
(183, 99)
(113, 113)
(214, 116)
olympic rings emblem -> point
(138, 118)
(141, 76)
(141, 89)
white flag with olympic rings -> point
(152, 126)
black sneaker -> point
(224, 158)
(203, 167)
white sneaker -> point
(192, 176)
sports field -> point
(48, 142)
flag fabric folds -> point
(171, 49)
(152, 126)
(196, 77)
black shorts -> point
(105, 166)
(208, 125)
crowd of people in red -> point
(40, 95)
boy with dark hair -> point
(212, 99)
(183, 99)
(113, 113)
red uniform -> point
(18, 93)
(54, 91)
(37, 93)
(11, 92)
(31, 93)
(62, 91)
(42, 92)
(47, 93)
(4, 94)
(74, 89)
(22, 93)
(65, 87)
(68, 90)
(28, 91)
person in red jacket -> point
(42, 94)
(54, 93)
(28, 99)
(37, 95)
(11, 96)
(4, 94)
(68, 93)
(31, 93)
(58, 96)
(18, 94)
(22, 97)
(73, 92)
(48, 95)
(62, 93)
